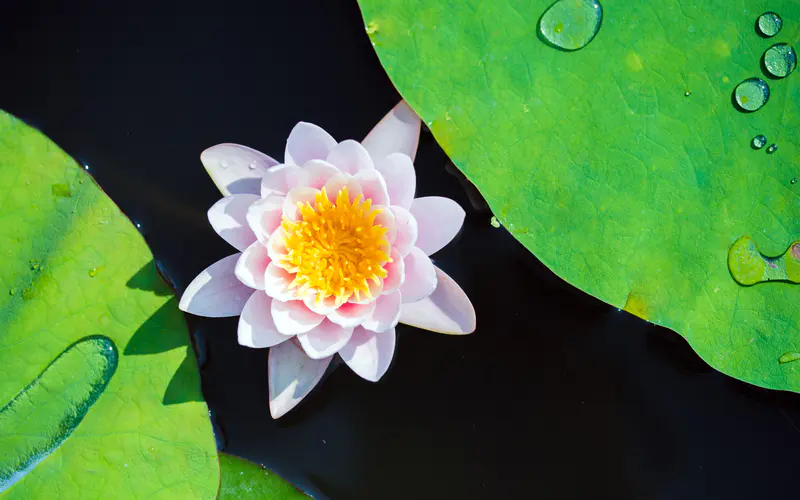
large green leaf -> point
(623, 166)
(244, 480)
(75, 268)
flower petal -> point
(298, 195)
(276, 247)
(318, 173)
(216, 293)
(406, 230)
(325, 340)
(236, 169)
(256, 327)
(252, 265)
(401, 180)
(282, 178)
(397, 132)
(264, 216)
(337, 182)
(396, 272)
(373, 187)
(307, 142)
(420, 276)
(350, 157)
(447, 310)
(439, 220)
(349, 315)
(228, 217)
(323, 307)
(369, 354)
(386, 314)
(277, 281)
(293, 317)
(386, 219)
(292, 375)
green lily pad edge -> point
(624, 166)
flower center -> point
(336, 248)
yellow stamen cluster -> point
(336, 248)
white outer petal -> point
(216, 292)
(236, 169)
(292, 375)
(447, 310)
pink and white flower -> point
(333, 253)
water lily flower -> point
(333, 252)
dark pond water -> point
(555, 396)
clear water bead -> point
(769, 24)
(751, 94)
(759, 141)
(571, 24)
(772, 148)
(780, 60)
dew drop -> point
(494, 222)
(571, 24)
(152, 450)
(793, 181)
(93, 272)
(758, 141)
(751, 94)
(769, 24)
(772, 148)
(687, 93)
(223, 164)
(34, 264)
(253, 165)
(13, 291)
(780, 60)
(789, 357)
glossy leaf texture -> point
(82, 306)
(623, 166)
(244, 480)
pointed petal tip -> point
(447, 310)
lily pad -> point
(242, 480)
(624, 166)
(92, 401)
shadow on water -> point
(163, 332)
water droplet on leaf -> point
(34, 264)
(751, 94)
(758, 141)
(571, 24)
(494, 222)
(687, 93)
(13, 291)
(769, 24)
(789, 357)
(93, 272)
(772, 148)
(780, 60)
(793, 181)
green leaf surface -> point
(623, 166)
(75, 268)
(243, 480)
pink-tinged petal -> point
(236, 169)
(280, 179)
(228, 217)
(293, 317)
(447, 310)
(386, 314)
(256, 328)
(264, 216)
(216, 292)
(298, 195)
(323, 307)
(420, 276)
(337, 182)
(308, 142)
(369, 354)
(350, 157)
(386, 219)
(252, 265)
(401, 180)
(318, 173)
(373, 187)
(396, 272)
(276, 247)
(406, 230)
(292, 375)
(277, 281)
(349, 315)
(397, 132)
(325, 340)
(439, 220)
